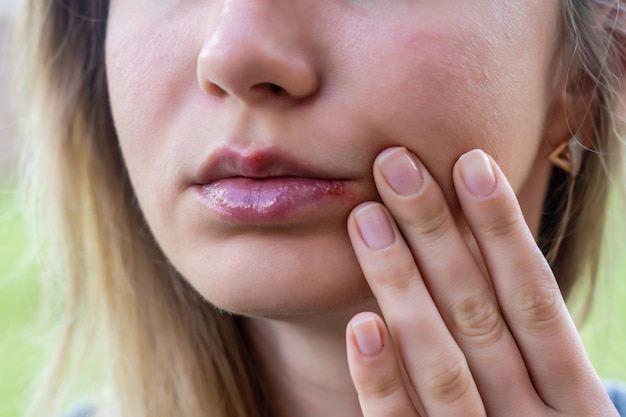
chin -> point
(260, 275)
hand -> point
(459, 341)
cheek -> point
(151, 73)
(449, 93)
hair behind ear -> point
(572, 230)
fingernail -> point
(477, 173)
(401, 172)
(367, 336)
(374, 227)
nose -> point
(256, 50)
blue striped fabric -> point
(81, 410)
(617, 392)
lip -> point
(266, 162)
(266, 186)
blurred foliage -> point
(20, 348)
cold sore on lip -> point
(267, 200)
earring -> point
(568, 156)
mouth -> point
(264, 186)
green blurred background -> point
(24, 343)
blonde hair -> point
(169, 351)
(575, 208)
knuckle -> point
(431, 223)
(399, 279)
(479, 318)
(503, 226)
(383, 396)
(540, 305)
(447, 382)
(383, 388)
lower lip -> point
(268, 200)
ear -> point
(574, 109)
(571, 113)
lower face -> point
(439, 78)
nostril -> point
(276, 89)
(272, 88)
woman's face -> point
(249, 128)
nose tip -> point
(250, 66)
(248, 72)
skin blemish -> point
(256, 157)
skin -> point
(440, 236)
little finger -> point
(374, 369)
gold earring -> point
(568, 156)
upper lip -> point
(266, 162)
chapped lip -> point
(256, 163)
